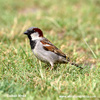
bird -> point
(44, 50)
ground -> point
(73, 26)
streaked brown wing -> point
(51, 48)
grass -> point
(73, 26)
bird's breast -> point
(39, 51)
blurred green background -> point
(72, 25)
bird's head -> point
(34, 33)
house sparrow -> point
(44, 50)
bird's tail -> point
(73, 63)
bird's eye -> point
(33, 31)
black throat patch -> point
(32, 43)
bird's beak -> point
(26, 32)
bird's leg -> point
(51, 65)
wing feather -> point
(47, 45)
